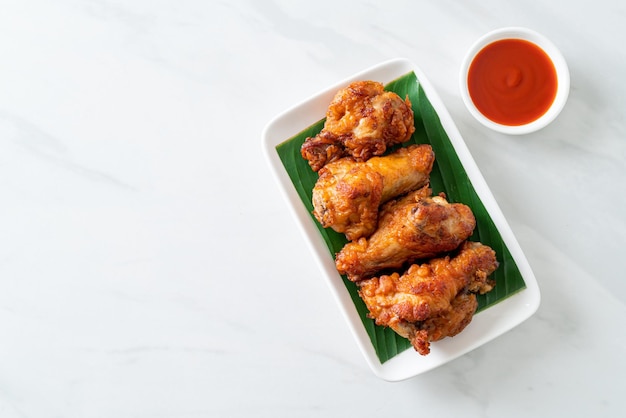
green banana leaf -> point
(448, 176)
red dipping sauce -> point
(512, 82)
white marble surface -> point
(142, 265)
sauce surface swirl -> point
(512, 82)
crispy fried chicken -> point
(433, 300)
(416, 226)
(362, 121)
(348, 194)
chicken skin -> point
(416, 226)
(362, 121)
(433, 300)
(348, 193)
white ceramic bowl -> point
(562, 73)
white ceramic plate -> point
(487, 324)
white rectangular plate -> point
(487, 324)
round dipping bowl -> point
(514, 80)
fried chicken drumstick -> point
(362, 121)
(347, 194)
(413, 227)
(433, 300)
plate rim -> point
(487, 324)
